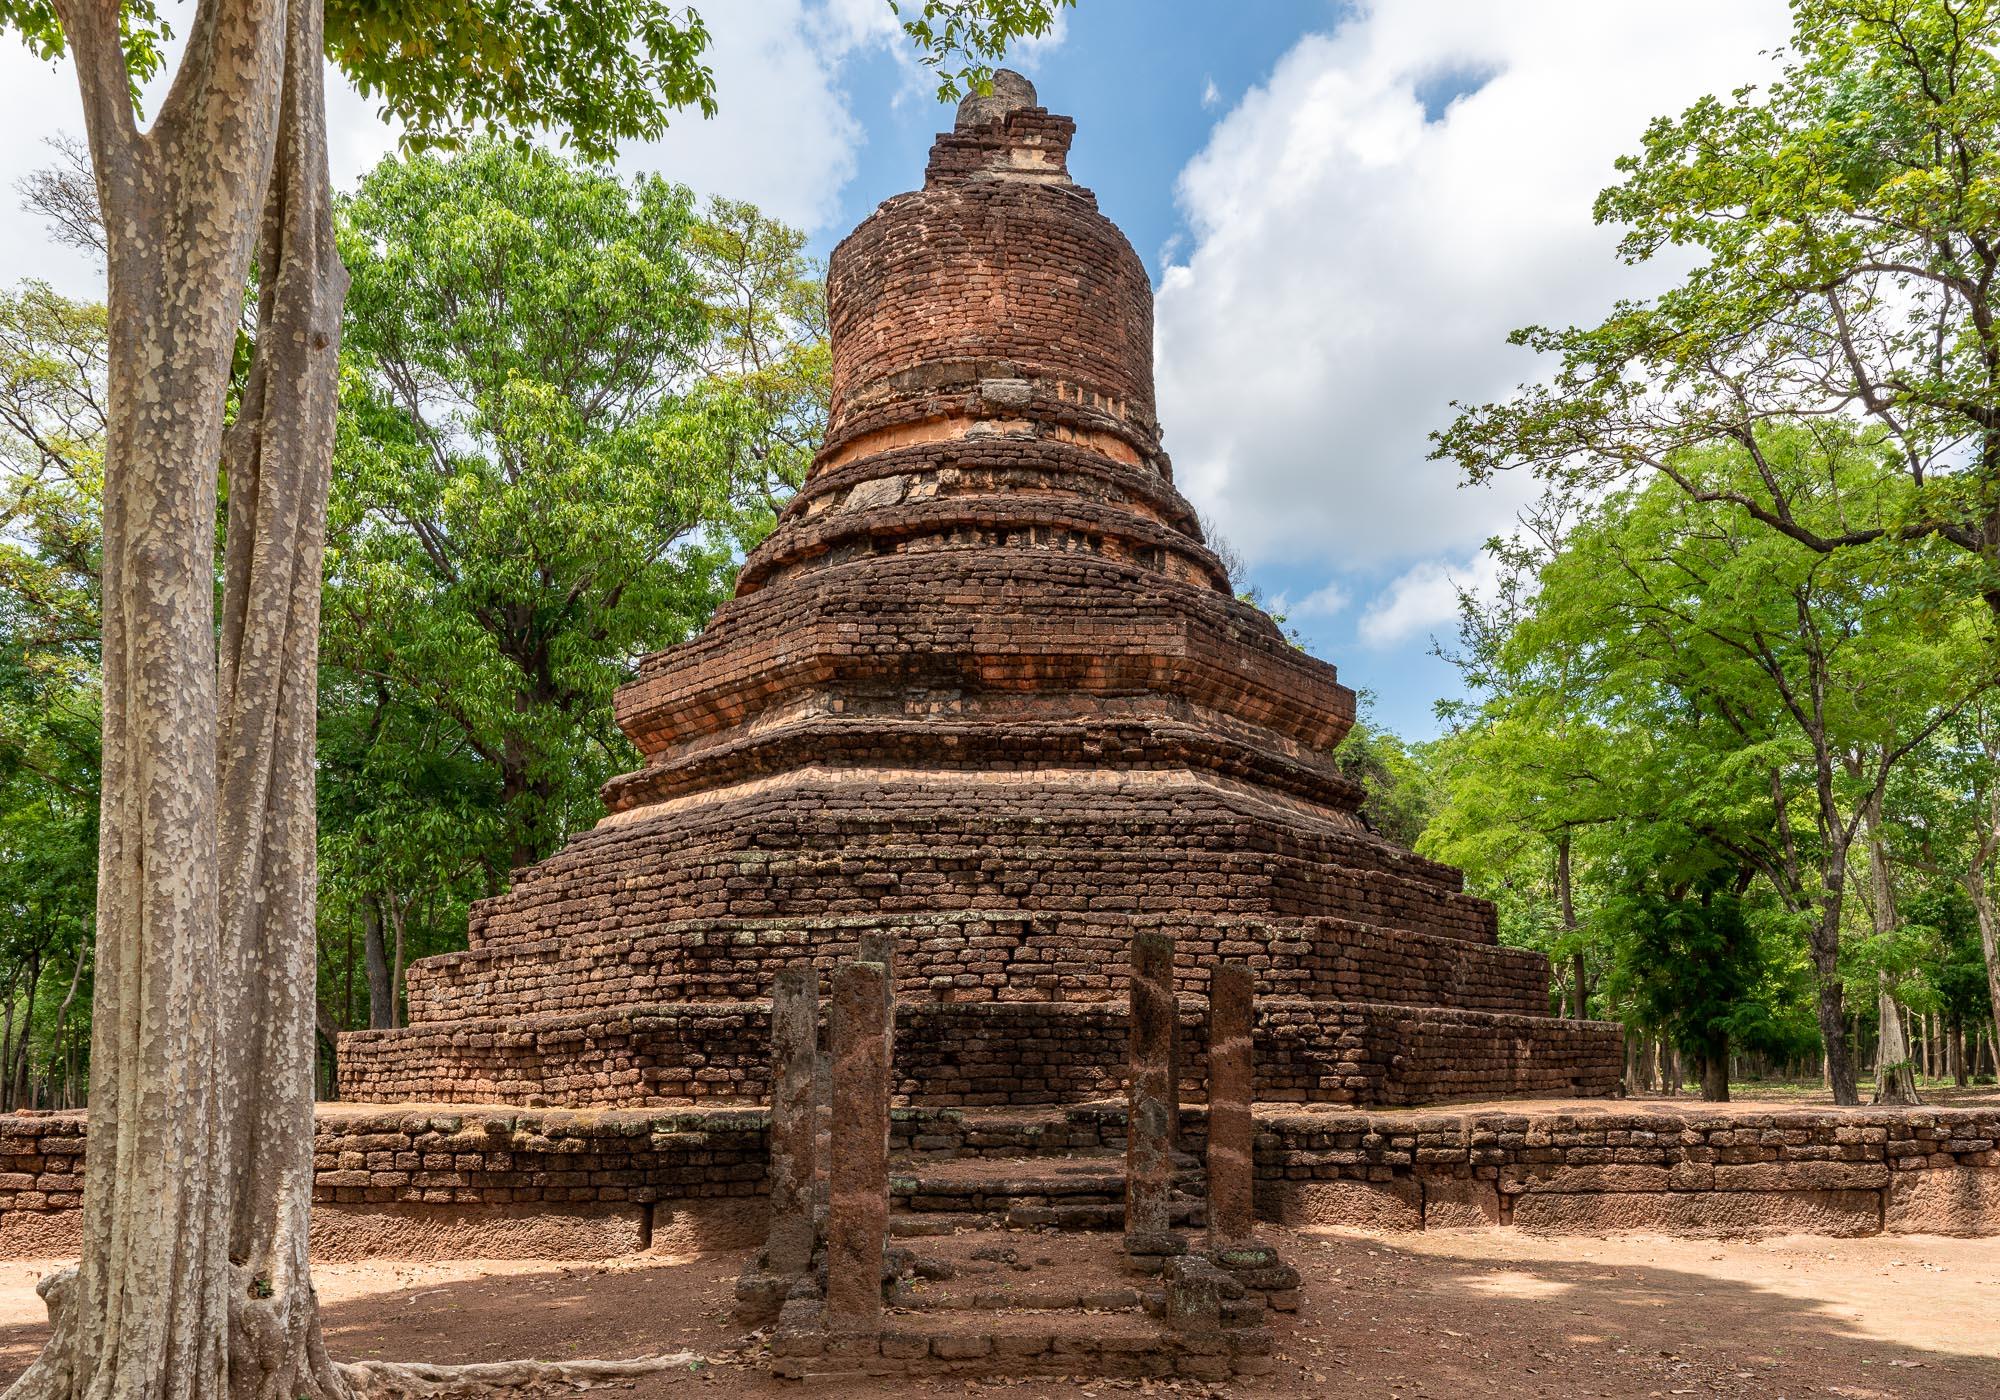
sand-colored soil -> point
(1445, 1314)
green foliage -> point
(596, 72)
(974, 33)
(593, 73)
(766, 366)
(1942, 921)
(570, 403)
(536, 482)
(145, 33)
(1391, 772)
(51, 442)
(1713, 973)
(1846, 219)
(1690, 705)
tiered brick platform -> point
(984, 688)
(483, 1182)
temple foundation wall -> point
(429, 1182)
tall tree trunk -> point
(381, 984)
(279, 455)
(1566, 899)
(1829, 1008)
(62, 1023)
(17, 1097)
(1983, 907)
(399, 915)
(329, 1031)
(1715, 1073)
(1895, 1076)
(147, 1311)
(7, 1037)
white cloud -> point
(1424, 599)
(1211, 95)
(1356, 266)
(784, 138)
(1330, 601)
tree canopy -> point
(1843, 218)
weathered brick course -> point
(984, 1053)
(1699, 1169)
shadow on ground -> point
(1443, 1315)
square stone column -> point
(1149, 1165)
(793, 1232)
(881, 948)
(788, 1248)
(1232, 1090)
(858, 1173)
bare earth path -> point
(1446, 1314)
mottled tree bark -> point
(193, 1283)
(146, 1313)
(278, 456)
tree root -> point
(390, 1380)
(52, 1376)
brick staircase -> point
(1008, 1257)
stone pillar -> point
(794, 1119)
(1149, 1166)
(881, 948)
(822, 1092)
(858, 1175)
(1231, 1091)
(795, 1150)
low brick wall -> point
(990, 1053)
(433, 1183)
(428, 1182)
(1714, 1170)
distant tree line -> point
(1738, 741)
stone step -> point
(1082, 1190)
(1006, 1295)
(995, 1302)
(998, 1302)
(916, 1224)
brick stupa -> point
(986, 690)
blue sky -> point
(1154, 85)
(1345, 208)
(1133, 83)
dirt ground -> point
(1446, 1314)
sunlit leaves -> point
(570, 401)
(594, 73)
(972, 34)
(1846, 225)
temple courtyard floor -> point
(1442, 1313)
